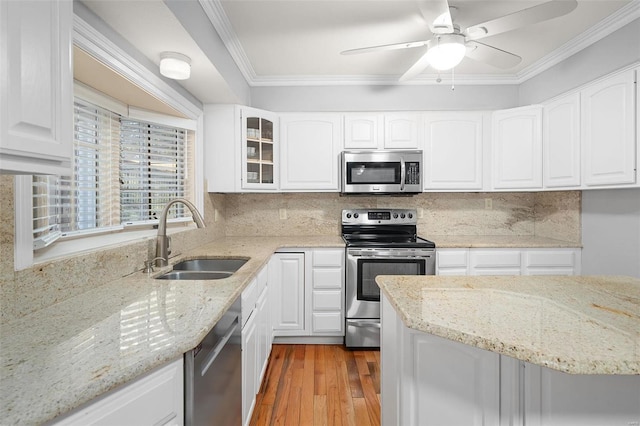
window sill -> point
(71, 247)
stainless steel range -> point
(379, 242)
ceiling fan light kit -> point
(447, 51)
(449, 44)
(175, 65)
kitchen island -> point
(544, 350)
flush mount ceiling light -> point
(175, 65)
(446, 51)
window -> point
(125, 171)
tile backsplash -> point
(546, 214)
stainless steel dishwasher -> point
(213, 375)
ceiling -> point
(293, 42)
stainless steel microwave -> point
(381, 172)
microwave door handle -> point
(403, 174)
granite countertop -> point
(60, 357)
(499, 241)
(575, 324)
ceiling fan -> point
(449, 44)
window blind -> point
(125, 171)
(153, 170)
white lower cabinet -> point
(308, 293)
(286, 276)
(503, 261)
(427, 380)
(249, 367)
(560, 399)
(256, 340)
(154, 399)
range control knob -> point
(348, 215)
(395, 215)
(401, 215)
(410, 215)
(355, 215)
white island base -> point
(432, 381)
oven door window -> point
(373, 173)
(369, 269)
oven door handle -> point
(364, 323)
(395, 256)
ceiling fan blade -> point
(532, 15)
(405, 45)
(437, 13)
(416, 68)
(492, 55)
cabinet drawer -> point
(495, 259)
(328, 257)
(549, 258)
(327, 322)
(249, 299)
(327, 300)
(327, 278)
(453, 259)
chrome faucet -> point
(163, 249)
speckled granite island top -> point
(63, 356)
(575, 324)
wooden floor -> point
(319, 385)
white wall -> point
(385, 98)
(611, 232)
(617, 50)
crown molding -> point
(600, 30)
(220, 21)
(216, 14)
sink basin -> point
(203, 269)
(194, 275)
(211, 265)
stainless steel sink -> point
(226, 265)
(203, 269)
(194, 275)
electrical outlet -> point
(283, 214)
(420, 213)
(488, 204)
(216, 215)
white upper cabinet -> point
(311, 145)
(453, 150)
(363, 131)
(517, 148)
(402, 131)
(608, 131)
(561, 142)
(241, 148)
(399, 130)
(36, 76)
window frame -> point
(98, 45)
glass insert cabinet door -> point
(259, 150)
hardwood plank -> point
(320, 380)
(261, 415)
(371, 399)
(354, 377)
(362, 414)
(320, 410)
(307, 390)
(334, 417)
(361, 362)
(374, 370)
(294, 400)
(281, 405)
(272, 377)
(346, 402)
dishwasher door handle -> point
(216, 351)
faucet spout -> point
(162, 241)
